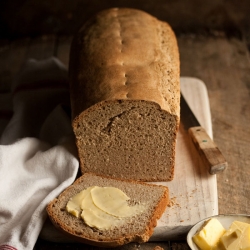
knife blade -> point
(208, 150)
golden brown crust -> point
(124, 54)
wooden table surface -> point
(222, 63)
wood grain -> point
(224, 65)
(44, 245)
(212, 157)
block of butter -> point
(237, 236)
(213, 236)
(209, 235)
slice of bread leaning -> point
(137, 228)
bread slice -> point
(125, 95)
(136, 229)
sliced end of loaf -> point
(137, 229)
(127, 139)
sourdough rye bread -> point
(138, 228)
(125, 95)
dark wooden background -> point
(214, 43)
(20, 18)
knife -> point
(208, 150)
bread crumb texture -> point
(137, 228)
(123, 140)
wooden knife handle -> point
(208, 150)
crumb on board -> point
(173, 202)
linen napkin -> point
(38, 157)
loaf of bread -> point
(125, 95)
(138, 228)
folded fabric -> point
(37, 89)
(38, 157)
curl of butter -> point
(102, 207)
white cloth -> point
(38, 157)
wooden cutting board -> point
(193, 191)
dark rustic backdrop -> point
(19, 18)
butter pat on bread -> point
(136, 228)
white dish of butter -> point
(215, 226)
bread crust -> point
(141, 237)
(124, 53)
